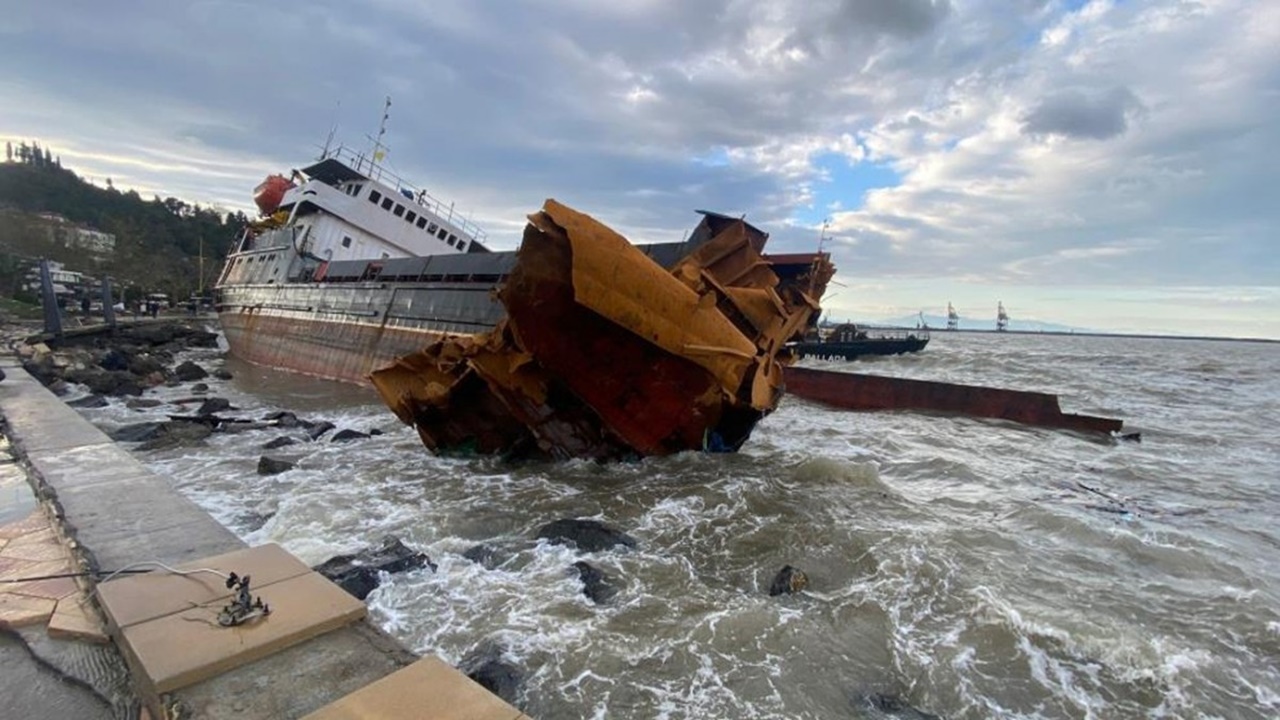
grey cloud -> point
(1073, 113)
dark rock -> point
(222, 374)
(213, 405)
(177, 434)
(237, 425)
(358, 573)
(595, 584)
(484, 556)
(788, 581)
(894, 705)
(200, 388)
(89, 401)
(587, 535)
(114, 360)
(272, 466)
(144, 365)
(283, 418)
(1132, 437)
(345, 435)
(57, 387)
(2, 375)
(44, 371)
(189, 371)
(318, 429)
(486, 667)
(142, 403)
(278, 443)
(106, 382)
(375, 431)
(137, 432)
(252, 521)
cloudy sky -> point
(1104, 164)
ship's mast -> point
(379, 150)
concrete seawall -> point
(118, 512)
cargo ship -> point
(349, 267)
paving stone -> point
(53, 589)
(75, 618)
(426, 689)
(43, 549)
(131, 599)
(13, 569)
(19, 610)
(178, 650)
(31, 523)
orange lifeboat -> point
(270, 192)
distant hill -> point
(939, 322)
(158, 241)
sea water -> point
(959, 568)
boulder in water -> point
(348, 434)
(189, 371)
(587, 535)
(273, 466)
(486, 667)
(595, 584)
(177, 434)
(788, 581)
(358, 573)
(279, 443)
(89, 401)
(222, 374)
(142, 403)
(213, 405)
(315, 430)
(137, 432)
(484, 556)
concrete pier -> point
(116, 512)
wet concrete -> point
(119, 513)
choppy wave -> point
(958, 568)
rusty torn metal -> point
(855, 391)
(605, 354)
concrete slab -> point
(131, 599)
(44, 426)
(426, 689)
(76, 619)
(69, 468)
(178, 650)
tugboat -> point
(849, 341)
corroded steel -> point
(854, 391)
(605, 354)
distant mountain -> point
(939, 322)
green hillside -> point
(158, 241)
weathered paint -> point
(605, 354)
(853, 391)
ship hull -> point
(344, 333)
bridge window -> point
(374, 196)
(453, 239)
(399, 211)
(411, 217)
(442, 234)
(422, 222)
(387, 203)
(346, 241)
(432, 229)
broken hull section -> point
(854, 391)
(605, 354)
